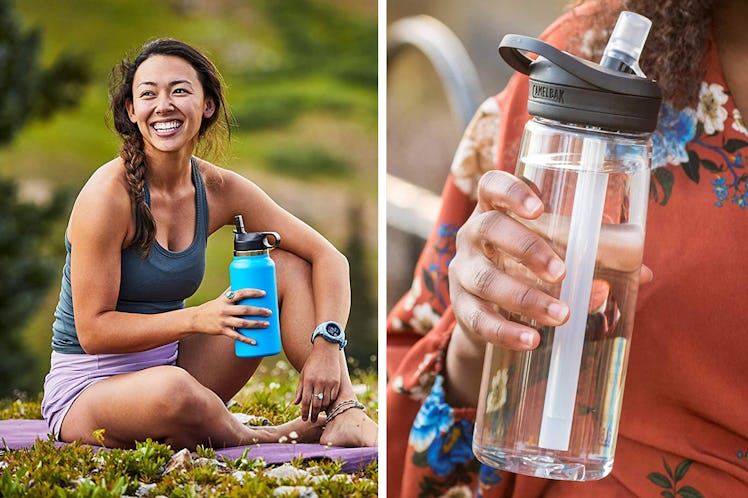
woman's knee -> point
(291, 270)
(178, 395)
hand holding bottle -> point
(480, 285)
(222, 316)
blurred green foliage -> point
(316, 40)
(28, 90)
(305, 162)
(28, 258)
(362, 346)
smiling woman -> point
(128, 357)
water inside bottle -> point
(514, 383)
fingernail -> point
(532, 204)
(556, 268)
(558, 311)
(527, 338)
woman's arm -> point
(324, 367)
(330, 273)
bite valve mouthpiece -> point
(239, 224)
(626, 43)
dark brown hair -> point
(677, 46)
(212, 129)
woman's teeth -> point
(167, 126)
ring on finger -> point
(319, 396)
(230, 295)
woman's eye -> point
(181, 90)
(147, 93)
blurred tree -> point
(362, 322)
(27, 91)
(318, 42)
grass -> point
(78, 470)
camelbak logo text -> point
(547, 92)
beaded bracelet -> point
(343, 407)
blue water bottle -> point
(252, 268)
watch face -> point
(333, 329)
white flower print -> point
(710, 110)
(458, 492)
(476, 152)
(424, 318)
(737, 122)
(412, 295)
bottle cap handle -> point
(271, 240)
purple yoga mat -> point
(18, 434)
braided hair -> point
(132, 151)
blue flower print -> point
(451, 448)
(720, 190)
(489, 475)
(741, 200)
(434, 418)
(674, 130)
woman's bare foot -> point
(296, 430)
(351, 428)
(303, 432)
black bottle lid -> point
(253, 241)
(568, 89)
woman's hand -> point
(320, 374)
(222, 316)
(482, 290)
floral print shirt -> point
(684, 422)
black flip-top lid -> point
(253, 241)
(571, 90)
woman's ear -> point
(130, 111)
(210, 108)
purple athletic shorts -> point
(70, 374)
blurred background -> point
(302, 85)
(423, 129)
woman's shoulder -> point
(104, 197)
(107, 183)
(221, 181)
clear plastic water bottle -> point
(553, 412)
(252, 268)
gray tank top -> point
(156, 284)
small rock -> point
(82, 481)
(239, 475)
(287, 471)
(180, 461)
(209, 462)
(145, 489)
(342, 477)
(303, 491)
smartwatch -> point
(331, 332)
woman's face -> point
(168, 103)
